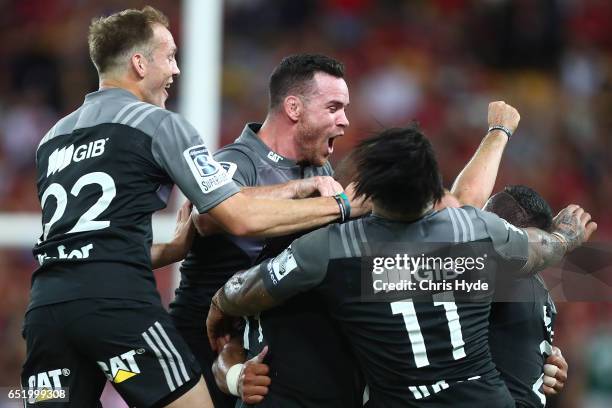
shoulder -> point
(165, 123)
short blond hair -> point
(113, 36)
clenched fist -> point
(500, 113)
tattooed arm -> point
(570, 229)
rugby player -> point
(94, 312)
(411, 353)
(285, 331)
(285, 157)
(521, 331)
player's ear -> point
(293, 107)
(138, 63)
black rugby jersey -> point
(409, 351)
(307, 370)
(213, 260)
(520, 338)
(102, 171)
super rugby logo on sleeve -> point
(230, 168)
(282, 265)
(208, 173)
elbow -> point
(244, 225)
(469, 196)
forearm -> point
(244, 294)
(165, 254)
(475, 182)
(246, 216)
(285, 190)
(276, 217)
(544, 250)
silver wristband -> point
(502, 128)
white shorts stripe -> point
(174, 351)
(161, 360)
(168, 355)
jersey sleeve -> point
(298, 268)
(238, 165)
(510, 243)
(180, 151)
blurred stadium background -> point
(439, 62)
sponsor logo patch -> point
(230, 168)
(282, 265)
(274, 157)
(62, 158)
(122, 367)
(209, 174)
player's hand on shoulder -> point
(555, 373)
(324, 186)
(500, 113)
(254, 380)
(359, 205)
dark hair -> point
(521, 206)
(398, 170)
(111, 36)
(294, 75)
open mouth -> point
(330, 145)
(167, 87)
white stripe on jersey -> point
(123, 110)
(144, 115)
(133, 113)
(351, 228)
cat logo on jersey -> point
(274, 157)
(282, 265)
(122, 367)
(208, 173)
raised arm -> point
(571, 228)
(475, 182)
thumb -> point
(260, 357)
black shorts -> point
(78, 345)
(189, 321)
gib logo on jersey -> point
(208, 173)
(61, 158)
(122, 367)
(282, 265)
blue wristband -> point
(345, 206)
